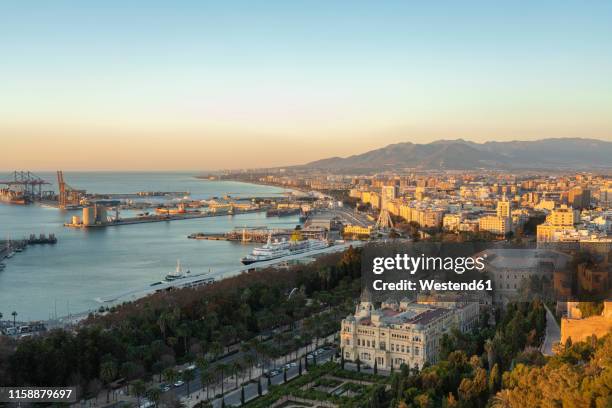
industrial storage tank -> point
(89, 216)
(101, 214)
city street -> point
(198, 393)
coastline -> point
(119, 258)
(302, 190)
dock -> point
(157, 218)
(259, 234)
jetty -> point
(96, 221)
(260, 234)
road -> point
(198, 392)
(553, 333)
(350, 217)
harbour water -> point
(57, 280)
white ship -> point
(274, 250)
(177, 274)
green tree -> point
(153, 394)
(108, 372)
(221, 370)
(139, 388)
(188, 377)
(494, 379)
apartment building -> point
(495, 225)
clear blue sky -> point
(348, 76)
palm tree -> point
(139, 388)
(14, 318)
(221, 369)
(250, 361)
(236, 368)
(502, 399)
(153, 394)
(188, 376)
(297, 343)
(108, 372)
(216, 349)
(183, 332)
(162, 322)
(170, 376)
(206, 378)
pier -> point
(260, 234)
(9, 247)
(103, 222)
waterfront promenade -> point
(142, 291)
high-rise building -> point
(503, 208)
(579, 198)
(562, 216)
(389, 193)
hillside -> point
(464, 155)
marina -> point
(65, 279)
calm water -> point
(87, 264)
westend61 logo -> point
(397, 268)
(411, 264)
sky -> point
(151, 85)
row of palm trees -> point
(255, 353)
(14, 314)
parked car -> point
(179, 383)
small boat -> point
(177, 274)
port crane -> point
(68, 196)
(26, 182)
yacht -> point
(274, 250)
(177, 274)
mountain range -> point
(556, 153)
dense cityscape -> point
(290, 204)
(301, 329)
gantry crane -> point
(68, 196)
(26, 182)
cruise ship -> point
(274, 250)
